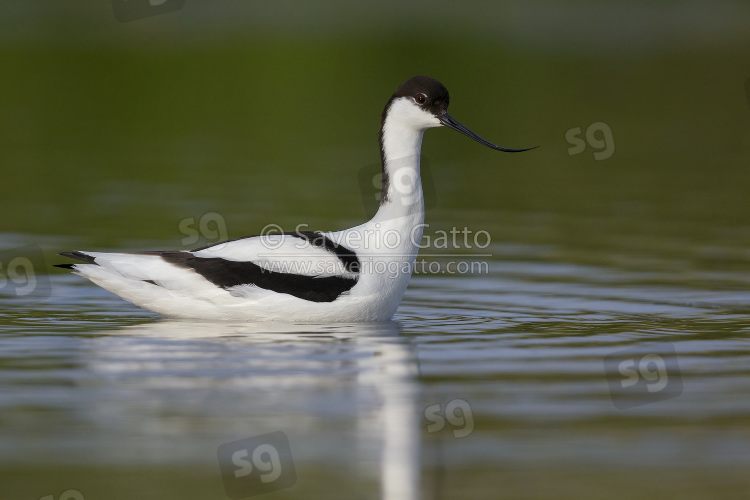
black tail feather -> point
(74, 255)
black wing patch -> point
(347, 257)
(227, 274)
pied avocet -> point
(356, 275)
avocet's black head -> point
(422, 102)
(428, 93)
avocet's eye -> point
(420, 98)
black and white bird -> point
(355, 275)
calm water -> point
(597, 349)
(114, 402)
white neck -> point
(392, 237)
(402, 203)
(402, 186)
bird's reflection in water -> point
(374, 380)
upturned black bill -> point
(451, 122)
